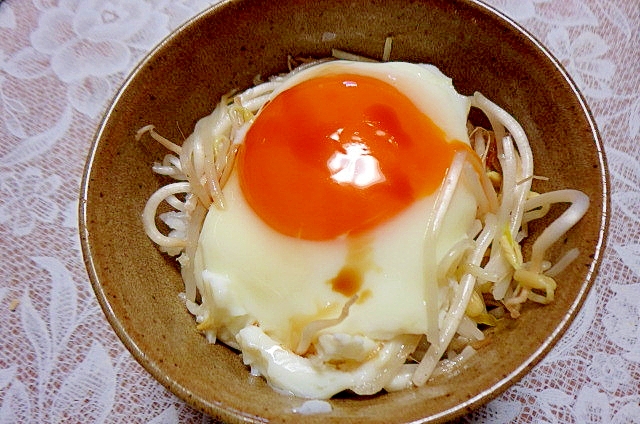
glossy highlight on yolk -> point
(340, 154)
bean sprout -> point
(489, 261)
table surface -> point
(62, 61)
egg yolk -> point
(340, 154)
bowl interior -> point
(224, 49)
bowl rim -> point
(233, 415)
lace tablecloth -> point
(61, 62)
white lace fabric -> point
(61, 62)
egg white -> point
(263, 287)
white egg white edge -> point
(283, 369)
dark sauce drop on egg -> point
(359, 260)
(347, 282)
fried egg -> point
(326, 217)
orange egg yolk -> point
(340, 154)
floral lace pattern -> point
(61, 61)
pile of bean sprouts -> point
(487, 269)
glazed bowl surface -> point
(224, 49)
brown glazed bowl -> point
(224, 49)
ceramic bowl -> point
(224, 49)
